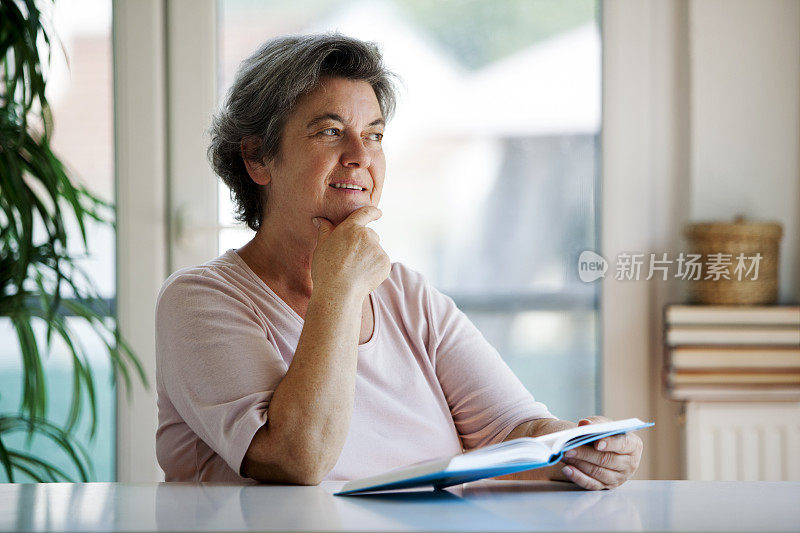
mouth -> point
(347, 187)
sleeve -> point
(487, 401)
(215, 362)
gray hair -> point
(263, 94)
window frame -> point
(164, 92)
(643, 114)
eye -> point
(335, 130)
(376, 136)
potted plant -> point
(40, 279)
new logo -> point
(591, 266)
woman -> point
(306, 354)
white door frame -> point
(191, 101)
(140, 166)
(644, 203)
(164, 91)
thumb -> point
(593, 420)
(324, 228)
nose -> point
(355, 154)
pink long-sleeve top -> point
(428, 384)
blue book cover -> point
(508, 457)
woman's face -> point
(333, 136)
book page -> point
(557, 441)
(522, 450)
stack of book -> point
(733, 352)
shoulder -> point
(219, 281)
(413, 285)
(412, 293)
(403, 275)
(405, 284)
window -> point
(81, 99)
(491, 184)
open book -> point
(507, 457)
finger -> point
(324, 228)
(581, 479)
(364, 215)
(374, 234)
(593, 420)
(610, 460)
(625, 443)
(609, 478)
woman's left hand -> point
(606, 463)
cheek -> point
(375, 197)
(378, 173)
(311, 170)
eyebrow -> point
(337, 118)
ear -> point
(258, 170)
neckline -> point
(372, 299)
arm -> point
(535, 428)
(309, 415)
(485, 398)
(603, 464)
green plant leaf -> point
(37, 192)
(8, 466)
(34, 394)
(25, 462)
(35, 467)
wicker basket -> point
(739, 237)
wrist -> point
(338, 299)
(545, 426)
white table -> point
(488, 505)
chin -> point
(337, 216)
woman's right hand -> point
(348, 258)
(311, 408)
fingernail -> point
(315, 220)
(601, 445)
(567, 471)
(570, 453)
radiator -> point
(742, 441)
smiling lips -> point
(348, 187)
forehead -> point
(350, 99)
